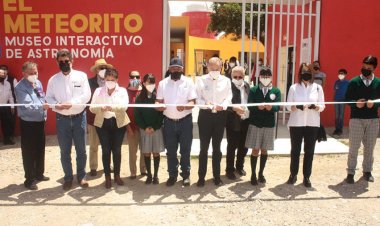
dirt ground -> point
(329, 202)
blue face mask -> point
(135, 83)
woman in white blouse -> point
(304, 122)
(110, 105)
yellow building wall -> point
(226, 48)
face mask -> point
(32, 78)
(101, 73)
(150, 88)
(341, 77)
(238, 82)
(232, 64)
(2, 79)
(366, 72)
(306, 76)
(214, 74)
(134, 83)
(176, 75)
(64, 66)
(265, 81)
(110, 84)
(316, 68)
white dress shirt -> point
(367, 82)
(118, 97)
(214, 92)
(301, 93)
(72, 88)
(176, 92)
(6, 93)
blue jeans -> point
(339, 116)
(111, 139)
(181, 133)
(69, 129)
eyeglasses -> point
(135, 76)
(64, 61)
(237, 77)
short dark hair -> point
(64, 53)
(233, 59)
(4, 67)
(342, 71)
(265, 71)
(304, 68)
(370, 60)
(111, 72)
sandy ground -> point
(329, 202)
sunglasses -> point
(135, 76)
(237, 77)
(64, 61)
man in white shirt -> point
(177, 89)
(66, 91)
(6, 111)
(214, 91)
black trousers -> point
(211, 126)
(33, 149)
(309, 136)
(236, 140)
(6, 124)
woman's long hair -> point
(144, 92)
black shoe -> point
(368, 177)
(93, 173)
(350, 179)
(186, 182)
(336, 132)
(306, 182)
(292, 179)
(262, 179)
(144, 174)
(231, 176)
(254, 180)
(218, 181)
(201, 182)
(241, 172)
(149, 179)
(43, 178)
(31, 185)
(156, 180)
(171, 181)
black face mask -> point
(366, 72)
(64, 66)
(306, 76)
(175, 75)
(2, 79)
(316, 68)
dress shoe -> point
(108, 183)
(241, 172)
(350, 179)
(171, 181)
(93, 173)
(292, 179)
(368, 177)
(262, 179)
(67, 185)
(218, 181)
(83, 183)
(254, 180)
(156, 180)
(31, 185)
(231, 176)
(306, 182)
(43, 178)
(118, 180)
(144, 174)
(132, 177)
(149, 179)
(186, 182)
(201, 182)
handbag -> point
(321, 136)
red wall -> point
(145, 56)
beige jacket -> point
(118, 101)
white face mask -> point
(150, 87)
(238, 82)
(341, 77)
(265, 81)
(214, 74)
(32, 78)
(110, 84)
(232, 64)
(101, 73)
